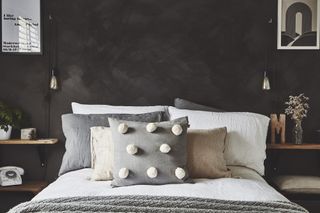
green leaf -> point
(9, 116)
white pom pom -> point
(123, 173)
(152, 172)
(123, 128)
(177, 129)
(180, 173)
(132, 149)
(151, 127)
(165, 148)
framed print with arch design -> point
(298, 24)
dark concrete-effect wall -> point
(144, 52)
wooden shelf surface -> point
(290, 146)
(28, 186)
(39, 141)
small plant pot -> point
(5, 135)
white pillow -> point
(246, 138)
(102, 152)
(110, 109)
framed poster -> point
(298, 24)
(21, 26)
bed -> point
(228, 149)
(246, 191)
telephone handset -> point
(11, 175)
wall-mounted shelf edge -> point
(29, 142)
(290, 146)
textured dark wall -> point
(141, 52)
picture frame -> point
(298, 25)
(21, 27)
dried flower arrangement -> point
(297, 107)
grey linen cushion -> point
(76, 129)
(185, 104)
(148, 155)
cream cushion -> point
(102, 151)
(205, 153)
(298, 184)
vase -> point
(5, 135)
(297, 133)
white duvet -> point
(247, 186)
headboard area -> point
(141, 52)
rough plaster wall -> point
(141, 52)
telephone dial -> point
(11, 175)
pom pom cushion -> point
(142, 156)
(246, 138)
(206, 153)
(76, 129)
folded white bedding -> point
(248, 186)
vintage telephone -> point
(10, 175)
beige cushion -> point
(102, 150)
(298, 184)
(205, 153)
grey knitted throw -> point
(159, 204)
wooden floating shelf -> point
(288, 146)
(39, 141)
(29, 186)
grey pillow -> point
(185, 104)
(76, 128)
(134, 168)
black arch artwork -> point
(291, 13)
(290, 36)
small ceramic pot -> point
(5, 135)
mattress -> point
(246, 185)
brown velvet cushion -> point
(298, 184)
(205, 153)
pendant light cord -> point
(53, 44)
(51, 53)
(51, 56)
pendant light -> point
(53, 79)
(266, 82)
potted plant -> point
(297, 109)
(9, 118)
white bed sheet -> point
(247, 186)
